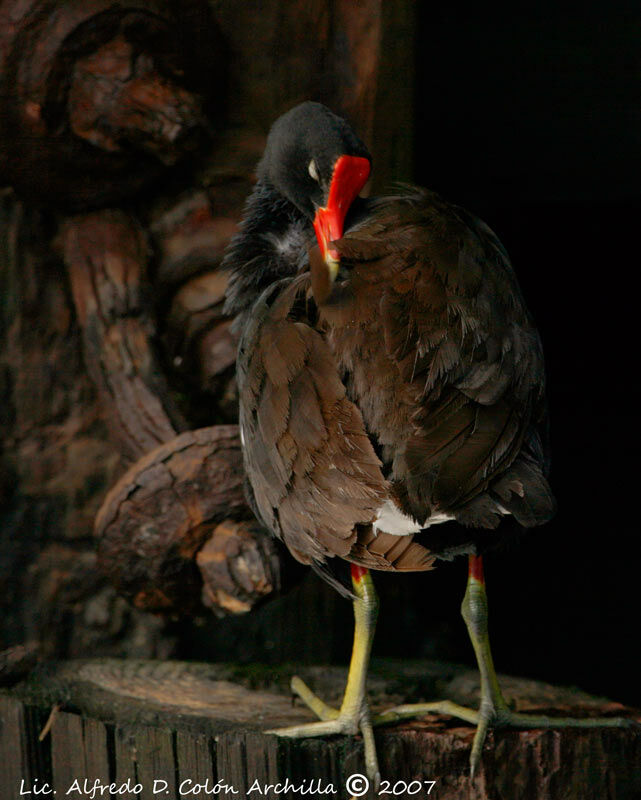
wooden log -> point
(191, 233)
(56, 458)
(155, 762)
(23, 757)
(189, 724)
(13, 746)
(148, 541)
(79, 752)
(190, 238)
(171, 531)
(201, 344)
(197, 311)
(118, 98)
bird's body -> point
(427, 349)
(391, 382)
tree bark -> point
(93, 98)
(112, 338)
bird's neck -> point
(271, 244)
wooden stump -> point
(197, 731)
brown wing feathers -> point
(318, 473)
(454, 326)
(431, 352)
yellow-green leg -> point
(474, 612)
(354, 714)
(493, 710)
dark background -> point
(531, 122)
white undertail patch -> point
(392, 520)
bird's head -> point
(315, 160)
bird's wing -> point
(314, 473)
(454, 323)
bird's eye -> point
(313, 170)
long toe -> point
(312, 700)
(507, 718)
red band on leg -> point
(358, 572)
(476, 568)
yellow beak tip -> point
(332, 266)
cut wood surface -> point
(181, 722)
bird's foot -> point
(498, 715)
(494, 711)
(350, 719)
(504, 717)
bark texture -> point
(128, 139)
(155, 520)
(95, 98)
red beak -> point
(349, 177)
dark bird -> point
(391, 380)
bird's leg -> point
(493, 710)
(474, 611)
(354, 714)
